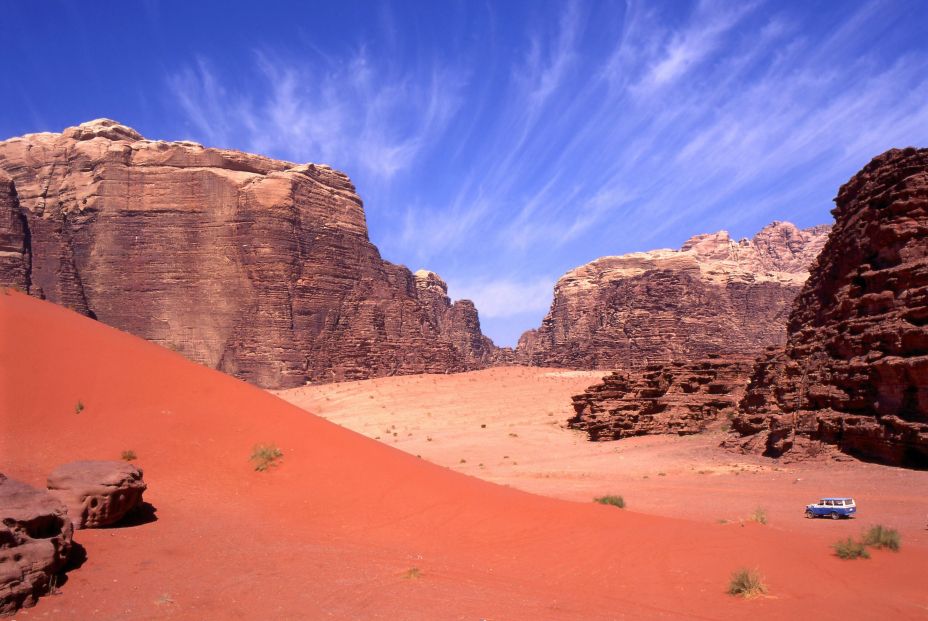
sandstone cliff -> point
(258, 267)
(713, 296)
(854, 371)
(678, 397)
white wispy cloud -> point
(589, 129)
(504, 297)
(353, 113)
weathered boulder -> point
(35, 540)
(679, 398)
(854, 370)
(258, 267)
(97, 493)
(713, 296)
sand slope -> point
(334, 530)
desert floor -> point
(509, 426)
(351, 528)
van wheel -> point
(835, 516)
(809, 514)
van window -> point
(829, 503)
(839, 503)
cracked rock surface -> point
(35, 539)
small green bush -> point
(880, 536)
(129, 455)
(615, 501)
(850, 549)
(759, 515)
(265, 455)
(746, 583)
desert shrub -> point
(79, 407)
(850, 549)
(265, 455)
(880, 536)
(129, 455)
(746, 583)
(412, 573)
(759, 515)
(615, 501)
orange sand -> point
(333, 531)
(508, 425)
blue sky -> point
(502, 143)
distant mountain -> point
(713, 296)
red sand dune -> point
(333, 531)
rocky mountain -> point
(258, 267)
(677, 397)
(854, 371)
(714, 296)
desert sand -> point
(508, 425)
(347, 527)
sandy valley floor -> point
(508, 425)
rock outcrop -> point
(713, 296)
(35, 540)
(14, 240)
(97, 493)
(258, 267)
(678, 398)
(854, 371)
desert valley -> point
(471, 496)
(219, 400)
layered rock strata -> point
(97, 493)
(258, 267)
(35, 540)
(854, 371)
(713, 296)
(676, 398)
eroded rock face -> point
(678, 398)
(854, 371)
(258, 267)
(97, 493)
(35, 539)
(713, 296)
(15, 260)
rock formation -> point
(35, 539)
(854, 371)
(679, 397)
(258, 267)
(14, 241)
(97, 493)
(713, 296)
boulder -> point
(97, 493)
(35, 539)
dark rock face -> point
(258, 267)
(97, 493)
(14, 238)
(679, 397)
(35, 540)
(715, 296)
(854, 371)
